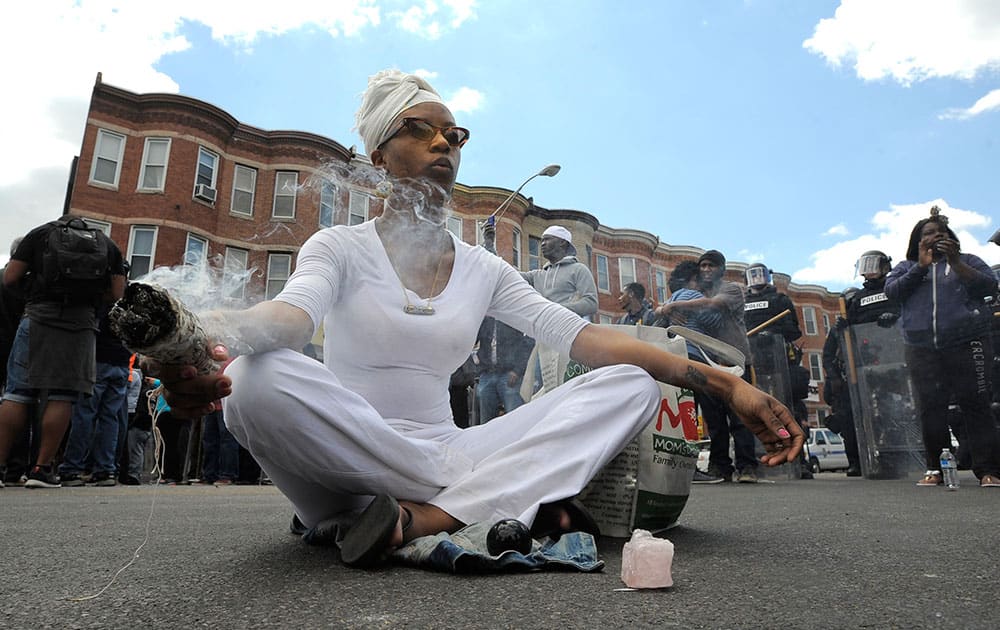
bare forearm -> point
(597, 347)
(261, 328)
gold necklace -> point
(426, 309)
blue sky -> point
(799, 134)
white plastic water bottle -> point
(949, 469)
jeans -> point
(492, 390)
(137, 439)
(93, 429)
(220, 450)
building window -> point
(108, 151)
(826, 324)
(141, 245)
(234, 273)
(327, 202)
(208, 163)
(455, 226)
(286, 184)
(815, 366)
(661, 286)
(153, 173)
(516, 248)
(279, 267)
(809, 317)
(534, 253)
(358, 208)
(626, 270)
(604, 319)
(603, 280)
(196, 250)
(103, 226)
(244, 185)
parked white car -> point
(825, 450)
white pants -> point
(328, 450)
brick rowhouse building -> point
(175, 180)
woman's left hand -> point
(772, 423)
(950, 249)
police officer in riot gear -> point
(835, 392)
(763, 302)
(870, 304)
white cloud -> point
(429, 20)
(838, 230)
(911, 40)
(425, 74)
(466, 100)
(834, 266)
(987, 103)
(750, 257)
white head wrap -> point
(389, 93)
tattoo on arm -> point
(695, 377)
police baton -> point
(757, 329)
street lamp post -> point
(489, 228)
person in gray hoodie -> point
(564, 279)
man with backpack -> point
(70, 269)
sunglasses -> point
(423, 130)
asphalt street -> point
(828, 553)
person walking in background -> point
(637, 310)
(726, 300)
(501, 358)
(71, 269)
(946, 332)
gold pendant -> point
(410, 309)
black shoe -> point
(103, 479)
(700, 477)
(130, 481)
(72, 480)
(43, 477)
(806, 475)
(853, 471)
(726, 477)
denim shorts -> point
(17, 389)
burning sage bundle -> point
(151, 322)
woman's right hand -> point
(189, 394)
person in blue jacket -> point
(945, 325)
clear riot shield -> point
(770, 368)
(890, 443)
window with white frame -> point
(108, 150)
(279, 267)
(208, 165)
(327, 203)
(626, 271)
(809, 318)
(358, 211)
(244, 187)
(603, 279)
(141, 246)
(454, 225)
(826, 324)
(516, 248)
(534, 253)
(661, 286)
(195, 250)
(286, 185)
(815, 366)
(103, 226)
(234, 273)
(153, 173)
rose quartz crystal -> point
(646, 561)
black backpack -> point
(75, 260)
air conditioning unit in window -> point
(205, 193)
